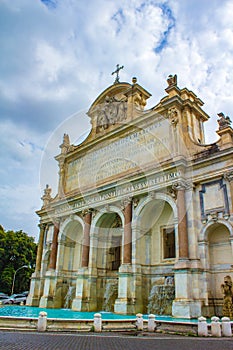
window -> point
(115, 252)
(169, 248)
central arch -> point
(155, 250)
(108, 257)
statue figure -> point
(47, 196)
(228, 297)
(223, 122)
(172, 80)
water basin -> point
(33, 312)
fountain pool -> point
(26, 318)
(33, 312)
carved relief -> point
(112, 112)
(173, 116)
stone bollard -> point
(215, 327)
(97, 323)
(139, 322)
(202, 328)
(42, 322)
(151, 323)
(226, 327)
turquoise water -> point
(30, 311)
(33, 312)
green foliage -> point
(16, 250)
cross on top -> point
(118, 68)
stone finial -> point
(223, 121)
(42, 322)
(226, 327)
(215, 327)
(97, 322)
(202, 327)
(139, 322)
(46, 198)
(151, 323)
(172, 80)
(134, 80)
(65, 144)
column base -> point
(85, 298)
(52, 295)
(186, 308)
(124, 306)
(125, 303)
(46, 302)
(32, 301)
(33, 298)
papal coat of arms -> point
(111, 112)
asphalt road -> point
(108, 341)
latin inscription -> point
(131, 189)
(133, 152)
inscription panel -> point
(130, 153)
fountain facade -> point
(141, 198)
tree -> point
(16, 250)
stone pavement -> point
(107, 341)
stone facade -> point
(142, 220)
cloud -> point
(57, 56)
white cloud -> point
(56, 60)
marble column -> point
(186, 281)
(86, 238)
(125, 303)
(36, 284)
(53, 255)
(182, 222)
(127, 257)
(40, 247)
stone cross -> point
(118, 68)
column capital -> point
(87, 211)
(228, 176)
(182, 185)
(42, 226)
(125, 202)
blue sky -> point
(57, 56)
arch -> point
(143, 202)
(69, 220)
(106, 210)
(203, 237)
(70, 244)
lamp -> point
(13, 283)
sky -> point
(57, 56)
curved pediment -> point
(115, 90)
(114, 105)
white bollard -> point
(226, 327)
(139, 322)
(97, 323)
(42, 322)
(202, 328)
(151, 323)
(215, 327)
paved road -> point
(107, 341)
